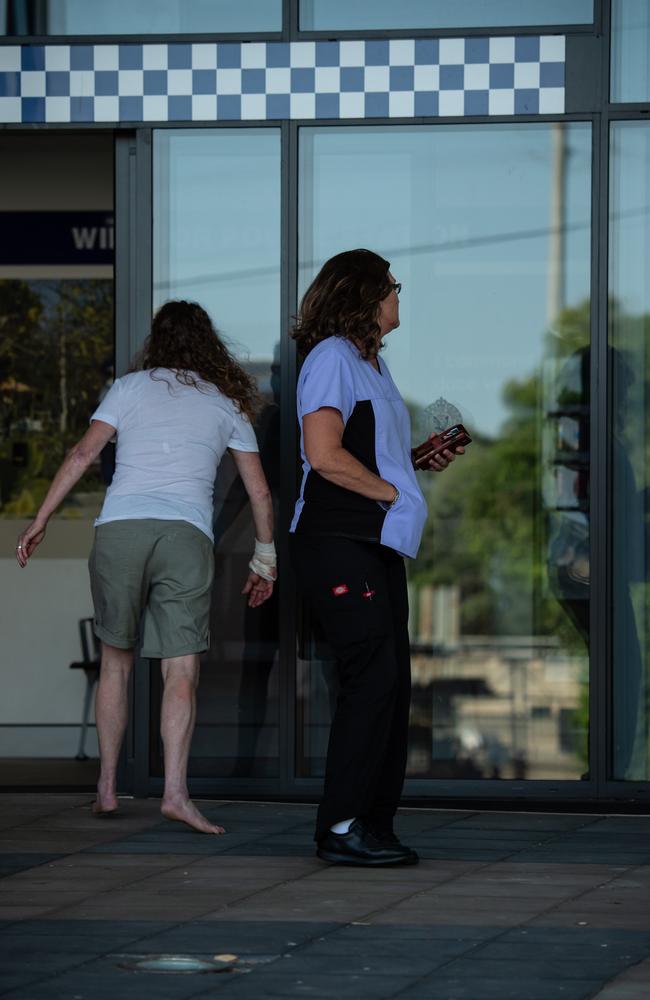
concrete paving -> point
(529, 906)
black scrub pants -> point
(357, 591)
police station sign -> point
(56, 238)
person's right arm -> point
(75, 464)
(322, 438)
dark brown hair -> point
(343, 301)
(183, 339)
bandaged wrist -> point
(264, 560)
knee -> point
(181, 673)
(115, 663)
(179, 686)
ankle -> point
(177, 795)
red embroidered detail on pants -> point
(340, 589)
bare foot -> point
(105, 805)
(185, 811)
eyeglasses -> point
(395, 285)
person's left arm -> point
(68, 475)
(257, 588)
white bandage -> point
(264, 560)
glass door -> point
(56, 363)
(488, 229)
(216, 241)
(629, 324)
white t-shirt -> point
(170, 440)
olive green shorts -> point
(152, 579)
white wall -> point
(41, 606)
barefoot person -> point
(359, 512)
(152, 560)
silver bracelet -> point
(388, 505)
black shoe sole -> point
(347, 859)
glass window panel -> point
(217, 242)
(630, 379)
(630, 78)
(323, 15)
(56, 363)
(146, 17)
(488, 228)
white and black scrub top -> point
(378, 434)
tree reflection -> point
(492, 536)
(56, 342)
(509, 532)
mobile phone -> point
(453, 437)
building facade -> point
(498, 155)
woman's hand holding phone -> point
(439, 450)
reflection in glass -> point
(322, 15)
(56, 361)
(217, 241)
(629, 298)
(630, 75)
(56, 366)
(488, 228)
(146, 17)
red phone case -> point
(452, 438)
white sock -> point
(343, 826)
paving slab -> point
(12, 863)
(476, 854)
(270, 981)
(452, 988)
(103, 979)
(386, 949)
(238, 937)
(632, 984)
(490, 820)
(624, 824)
(368, 932)
(578, 856)
(619, 920)
(532, 906)
(88, 928)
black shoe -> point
(359, 847)
(387, 838)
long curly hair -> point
(343, 301)
(184, 340)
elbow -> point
(80, 457)
(320, 461)
(324, 465)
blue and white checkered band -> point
(263, 81)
